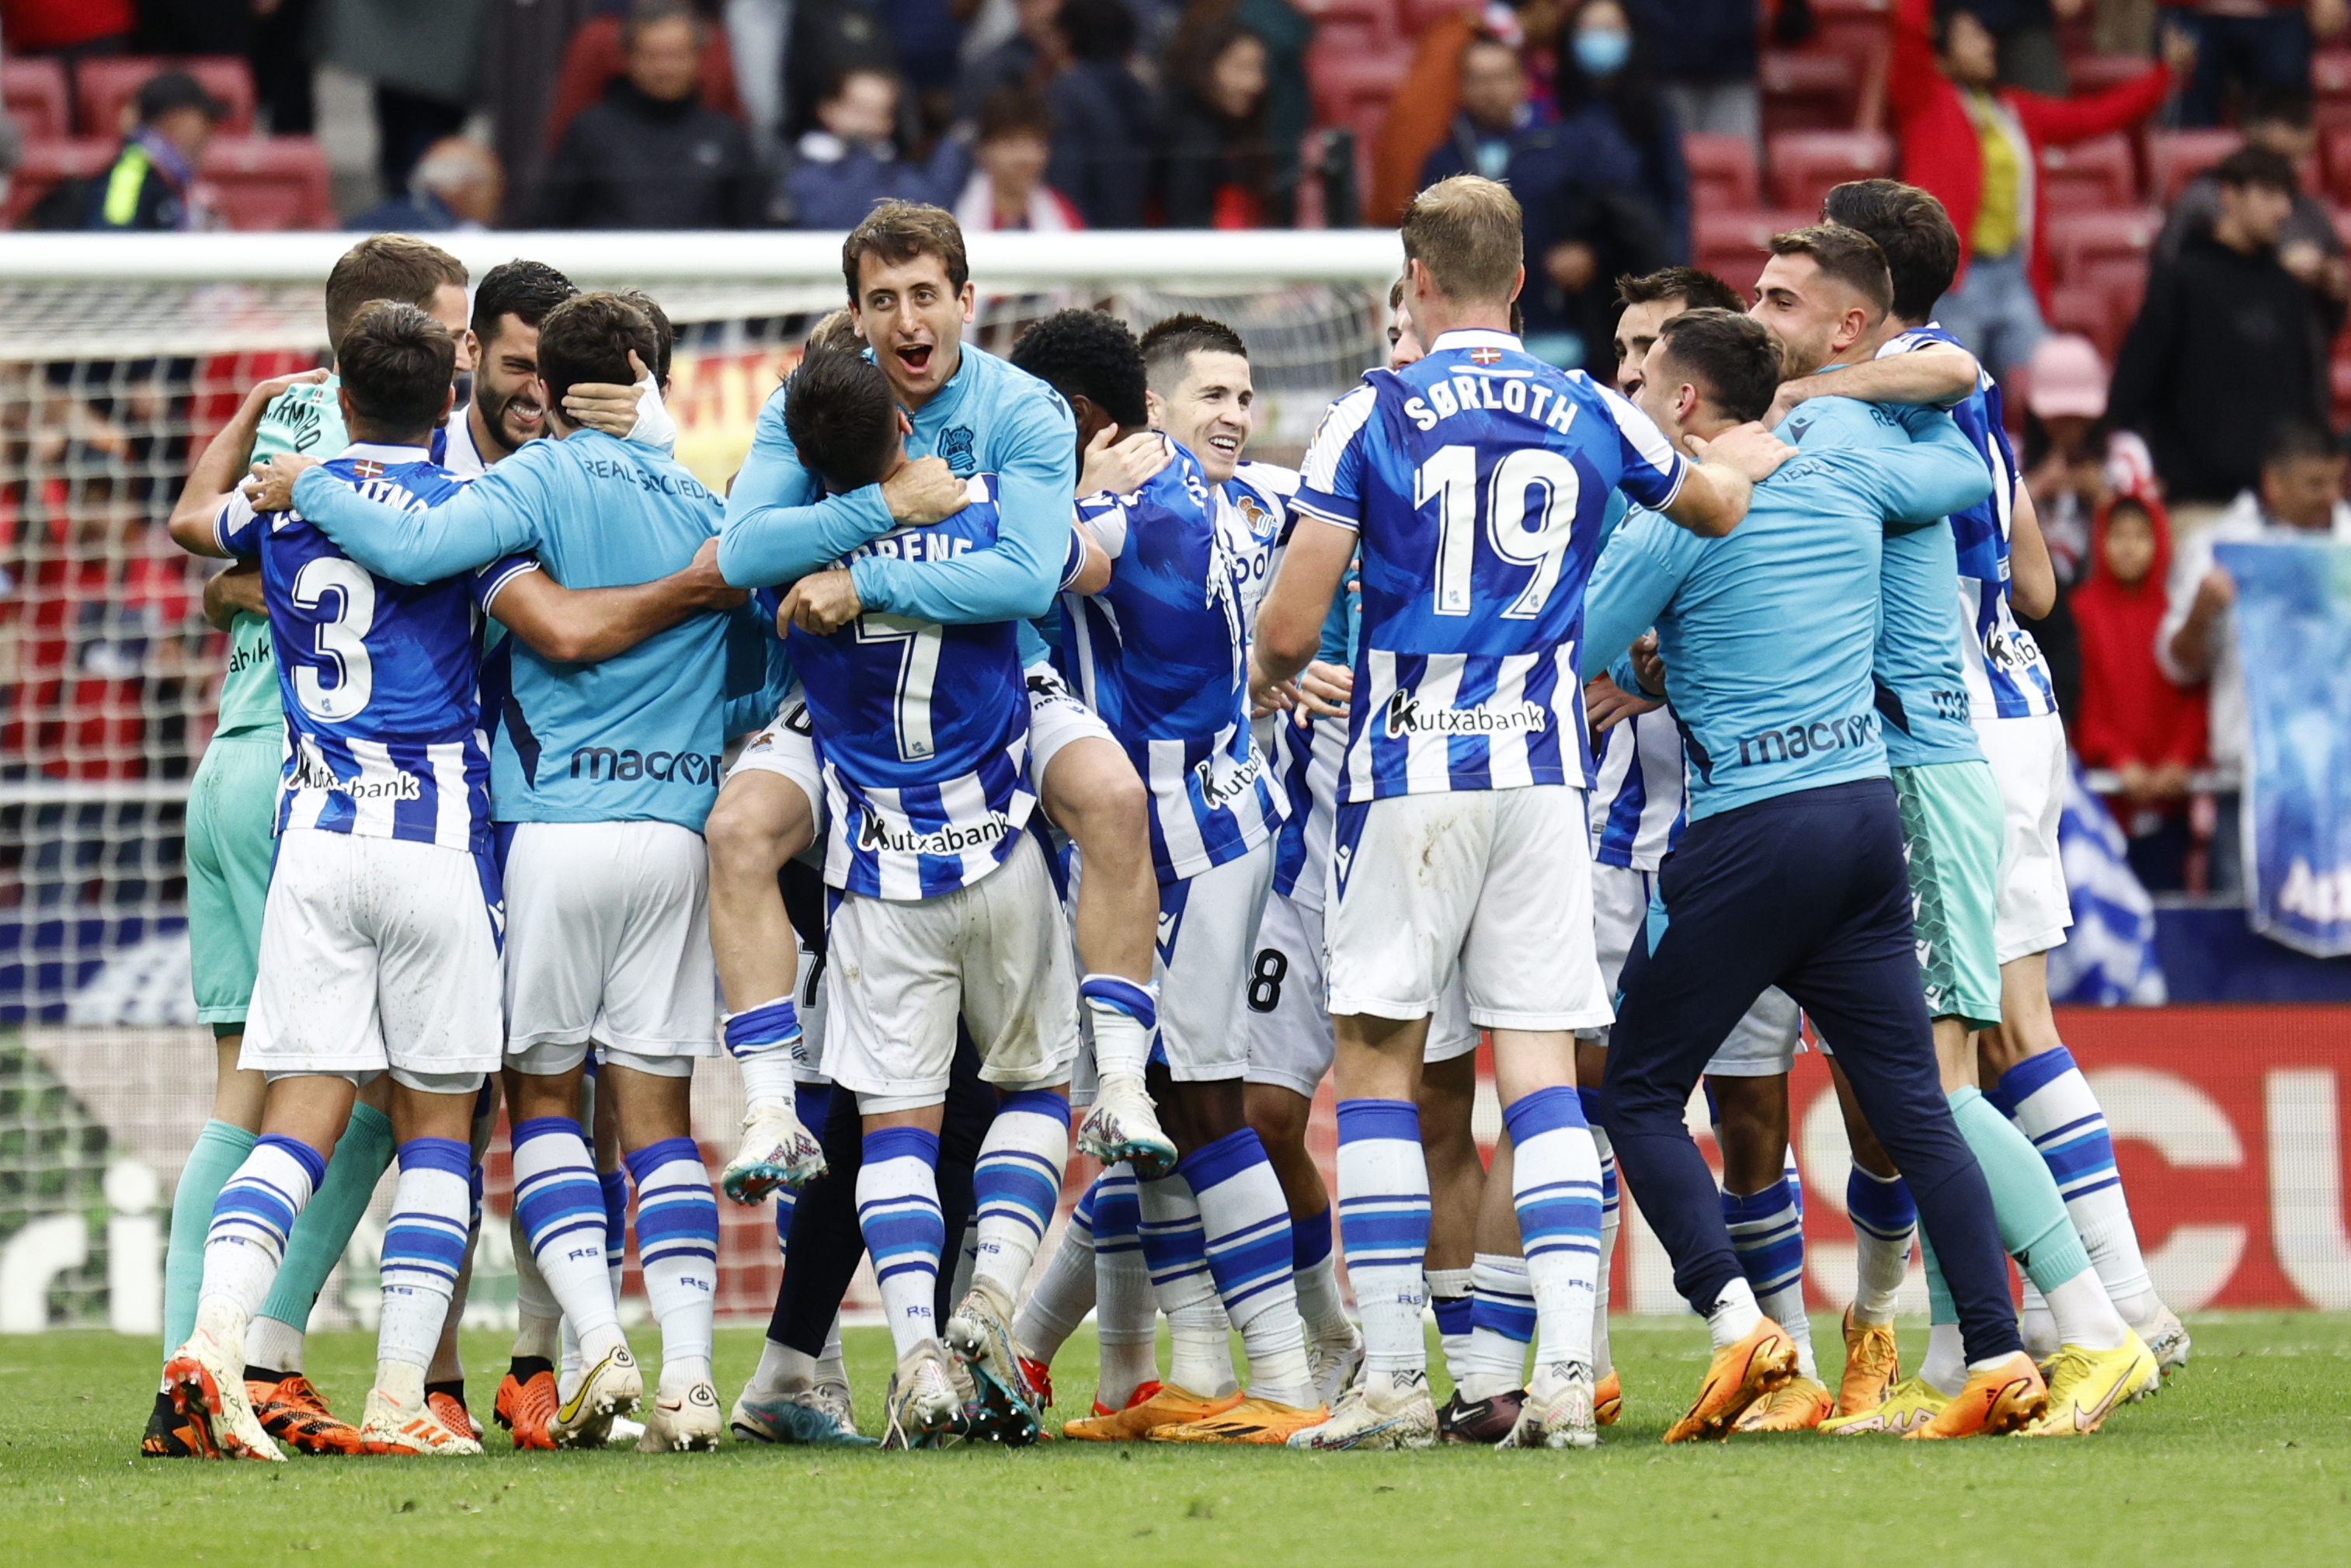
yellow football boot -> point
(1909, 1405)
(2084, 1385)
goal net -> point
(119, 357)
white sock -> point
(1313, 1264)
(1501, 1326)
(1449, 1302)
(1384, 1227)
(764, 1040)
(1883, 1222)
(1245, 1225)
(1555, 1187)
(1125, 1015)
(1176, 1254)
(1126, 1314)
(1016, 1187)
(538, 1315)
(567, 1366)
(782, 1371)
(1735, 1314)
(2084, 1316)
(829, 1368)
(562, 1205)
(256, 1209)
(424, 1248)
(1065, 1292)
(2047, 1097)
(273, 1344)
(1610, 1217)
(2035, 1325)
(677, 1247)
(1946, 1366)
(767, 1077)
(1767, 1234)
(898, 1210)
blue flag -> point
(2293, 641)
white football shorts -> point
(376, 954)
(1207, 936)
(1495, 882)
(898, 973)
(2028, 761)
(1761, 1045)
(1289, 1039)
(788, 746)
(1056, 718)
(808, 1061)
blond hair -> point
(1469, 233)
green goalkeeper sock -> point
(2033, 1224)
(219, 1149)
(325, 1225)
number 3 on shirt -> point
(918, 676)
(340, 642)
(1518, 533)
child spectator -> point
(2131, 720)
(851, 161)
(1007, 189)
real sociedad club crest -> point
(955, 448)
(367, 468)
(1485, 356)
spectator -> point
(2228, 347)
(153, 185)
(2249, 45)
(1028, 58)
(1007, 189)
(925, 34)
(67, 31)
(1614, 118)
(824, 43)
(849, 161)
(457, 185)
(650, 155)
(1494, 114)
(1103, 118)
(1975, 146)
(2024, 35)
(1285, 31)
(1423, 104)
(2131, 720)
(2308, 246)
(2074, 456)
(1704, 52)
(1216, 169)
(2299, 498)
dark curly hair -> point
(1089, 354)
(842, 417)
(526, 290)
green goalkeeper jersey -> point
(303, 418)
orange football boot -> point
(1738, 1376)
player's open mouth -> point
(1230, 445)
(915, 356)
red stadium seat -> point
(2086, 247)
(2089, 311)
(47, 164)
(269, 183)
(1805, 163)
(1808, 91)
(2334, 161)
(1355, 28)
(2330, 86)
(2099, 172)
(1722, 174)
(2176, 157)
(108, 86)
(1733, 245)
(1347, 90)
(2095, 73)
(1853, 29)
(34, 91)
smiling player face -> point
(505, 383)
(1211, 411)
(914, 320)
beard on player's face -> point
(514, 414)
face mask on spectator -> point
(1603, 51)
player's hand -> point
(232, 593)
(1792, 392)
(1608, 705)
(271, 488)
(925, 492)
(822, 603)
(2214, 595)
(1122, 467)
(702, 579)
(1325, 689)
(267, 392)
(632, 413)
(1268, 695)
(1648, 664)
(1750, 448)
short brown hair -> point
(1848, 256)
(665, 334)
(386, 267)
(397, 365)
(897, 231)
(1695, 287)
(1729, 355)
(1168, 345)
(1911, 227)
(841, 416)
(1013, 111)
(1468, 232)
(588, 339)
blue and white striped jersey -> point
(922, 729)
(1477, 479)
(1162, 655)
(1639, 804)
(381, 680)
(1308, 752)
(2007, 677)
(1255, 506)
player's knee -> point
(1278, 1117)
(744, 837)
(1105, 800)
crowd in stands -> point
(2157, 186)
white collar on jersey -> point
(1476, 337)
(383, 452)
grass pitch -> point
(2245, 1459)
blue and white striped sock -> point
(1555, 1187)
(1017, 1184)
(1450, 1302)
(1126, 1314)
(562, 1214)
(898, 1211)
(764, 1040)
(1246, 1223)
(613, 1186)
(1384, 1227)
(1767, 1235)
(677, 1247)
(1884, 1220)
(1125, 1015)
(1311, 1241)
(423, 1248)
(2047, 1097)
(1177, 1251)
(251, 1219)
(1501, 1326)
